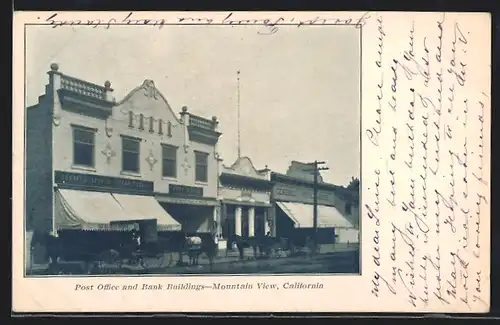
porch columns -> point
(267, 229)
(237, 221)
(271, 217)
(216, 221)
(251, 221)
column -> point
(224, 221)
(272, 217)
(251, 222)
(237, 221)
(266, 222)
(215, 221)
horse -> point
(245, 242)
(193, 246)
(52, 244)
(199, 244)
(297, 244)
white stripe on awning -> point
(149, 208)
(302, 215)
(91, 211)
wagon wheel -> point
(165, 259)
(111, 257)
(140, 260)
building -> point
(97, 164)
(245, 195)
(292, 195)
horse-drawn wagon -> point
(109, 251)
(196, 244)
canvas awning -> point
(89, 210)
(303, 215)
(148, 207)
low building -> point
(96, 164)
(293, 198)
(245, 194)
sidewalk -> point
(223, 262)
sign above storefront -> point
(187, 201)
(185, 191)
(302, 194)
(90, 181)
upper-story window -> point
(83, 146)
(169, 161)
(131, 154)
(201, 161)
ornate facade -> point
(155, 163)
(245, 194)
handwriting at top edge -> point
(270, 24)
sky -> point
(299, 88)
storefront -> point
(245, 200)
(195, 212)
(91, 212)
(293, 199)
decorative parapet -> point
(203, 130)
(80, 96)
(203, 123)
(83, 87)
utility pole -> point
(316, 169)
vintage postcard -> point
(251, 162)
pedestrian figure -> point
(136, 238)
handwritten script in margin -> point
(269, 25)
(428, 193)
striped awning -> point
(147, 206)
(303, 216)
(88, 210)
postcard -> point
(251, 162)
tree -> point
(353, 184)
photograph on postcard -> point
(192, 150)
(251, 162)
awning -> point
(302, 215)
(92, 211)
(149, 208)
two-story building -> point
(293, 198)
(93, 163)
(245, 195)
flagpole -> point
(238, 107)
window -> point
(151, 124)
(130, 119)
(160, 126)
(83, 146)
(130, 154)
(201, 161)
(169, 159)
(169, 128)
(141, 122)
